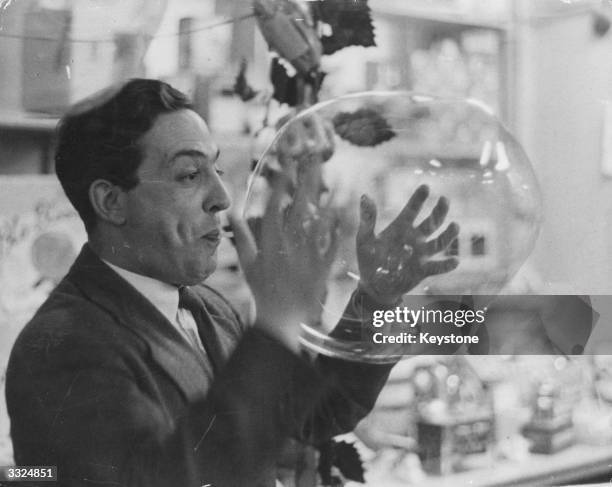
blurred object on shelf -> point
(130, 48)
(549, 411)
(39, 236)
(501, 374)
(69, 50)
(46, 64)
(52, 255)
(455, 414)
(455, 381)
(492, 13)
(550, 428)
(556, 390)
(467, 68)
(446, 443)
(514, 384)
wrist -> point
(286, 332)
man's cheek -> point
(184, 232)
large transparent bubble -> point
(386, 145)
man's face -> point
(172, 214)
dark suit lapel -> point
(105, 287)
(208, 335)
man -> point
(133, 373)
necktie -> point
(189, 300)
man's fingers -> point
(330, 141)
(278, 176)
(306, 193)
(435, 267)
(244, 242)
(435, 219)
(334, 243)
(413, 207)
(442, 241)
(367, 219)
(271, 228)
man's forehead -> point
(179, 131)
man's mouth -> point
(214, 236)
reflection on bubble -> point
(385, 145)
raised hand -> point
(287, 265)
(400, 257)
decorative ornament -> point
(301, 32)
(289, 30)
(364, 127)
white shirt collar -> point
(163, 296)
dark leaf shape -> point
(350, 21)
(348, 461)
(285, 86)
(364, 127)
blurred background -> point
(544, 67)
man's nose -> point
(217, 198)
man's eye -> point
(192, 176)
(220, 172)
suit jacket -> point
(100, 384)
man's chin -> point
(198, 274)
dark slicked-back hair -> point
(98, 138)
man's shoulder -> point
(68, 321)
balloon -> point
(385, 145)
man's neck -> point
(119, 255)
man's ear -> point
(108, 201)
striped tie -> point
(189, 301)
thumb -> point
(243, 241)
(367, 219)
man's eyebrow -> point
(194, 153)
